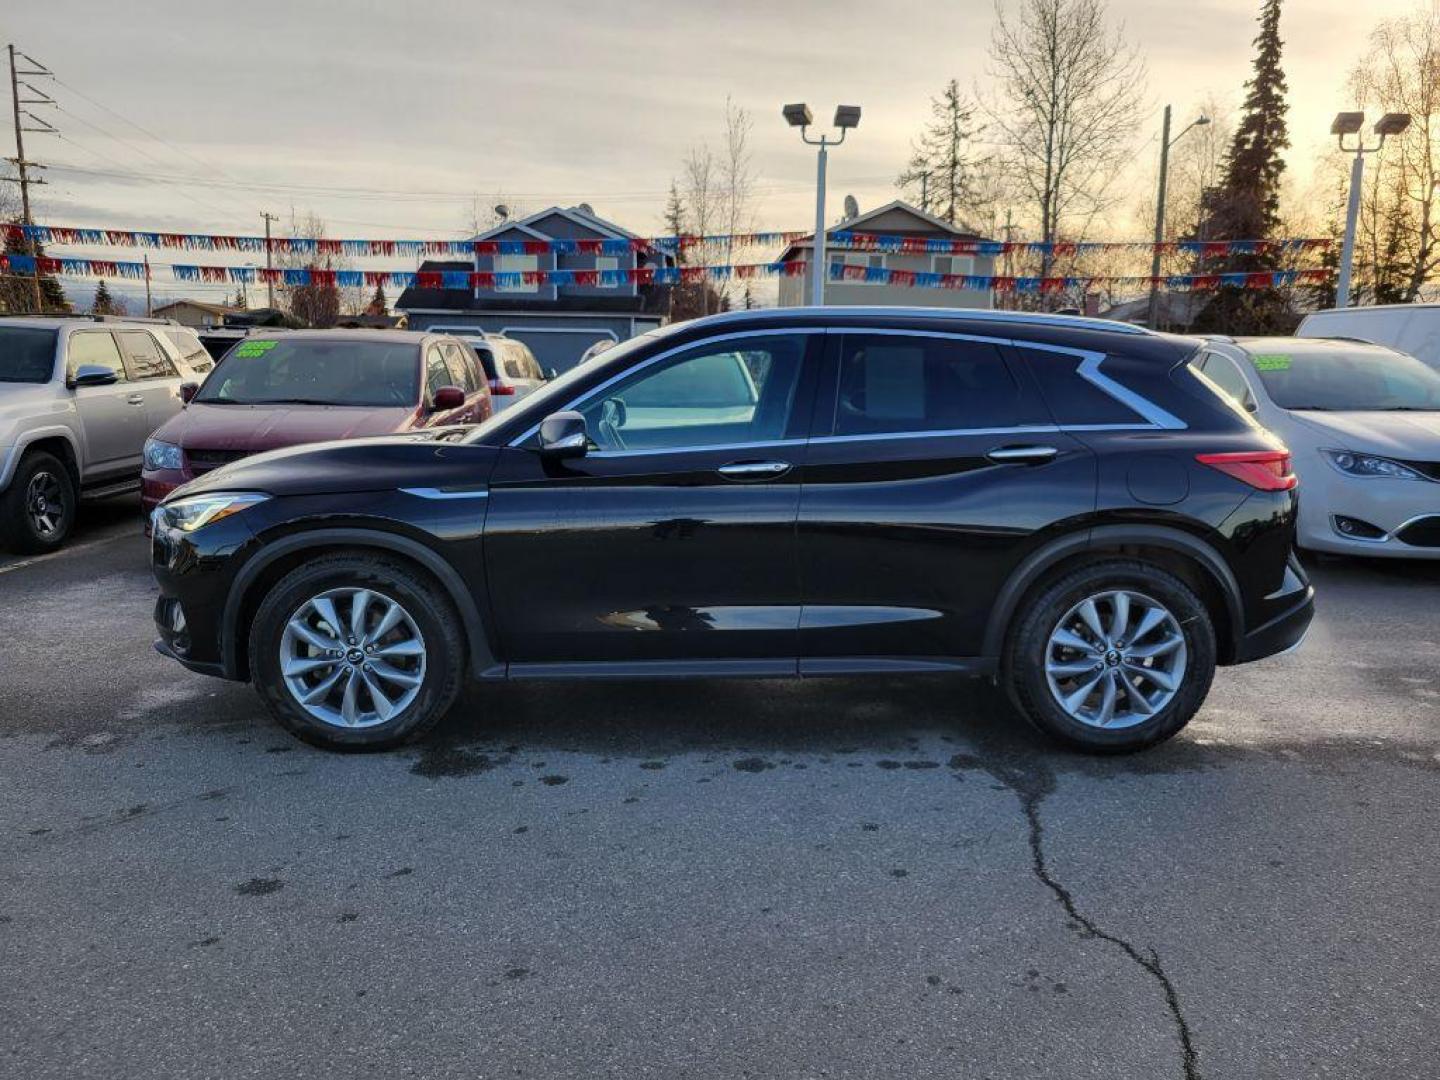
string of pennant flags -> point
(61, 235)
(27, 265)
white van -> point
(1407, 328)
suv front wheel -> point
(356, 652)
(37, 511)
(1112, 657)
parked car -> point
(1059, 504)
(78, 398)
(218, 340)
(309, 386)
(1408, 328)
(510, 366)
(1363, 423)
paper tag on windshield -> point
(1272, 362)
(255, 348)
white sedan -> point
(1363, 424)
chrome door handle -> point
(1021, 455)
(135, 399)
(754, 470)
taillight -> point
(1266, 470)
(500, 389)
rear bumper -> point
(1282, 633)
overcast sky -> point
(385, 118)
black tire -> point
(1026, 650)
(19, 530)
(438, 623)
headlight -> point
(161, 455)
(197, 511)
(1353, 464)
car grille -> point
(202, 461)
(1422, 533)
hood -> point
(353, 466)
(1411, 436)
(255, 428)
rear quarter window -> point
(1072, 398)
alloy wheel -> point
(352, 658)
(45, 504)
(1115, 659)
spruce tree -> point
(17, 291)
(378, 304)
(942, 165)
(1246, 203)
(104, 303)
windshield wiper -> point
(1410, 408)
(1309, 408)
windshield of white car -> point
(1335, 377)
(329, 371)
(27, 355)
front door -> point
(673, 539)
(112, 418)
(932, 473)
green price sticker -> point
(1272, 362)
(255, 348)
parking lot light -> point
(1350, 123)
(846, 117)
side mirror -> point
(448, 398)
(94, 375)
(563, 435)
(551, 374)
(188, 390)
(1251, 405)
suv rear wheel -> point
(37, 511)
(1112, 657)
(356, 652)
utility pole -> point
(1009, 255)
(149, 309)
(1152, 312)
(22, 165)
(269, 260)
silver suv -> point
(78, 399)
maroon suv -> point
(314, 386)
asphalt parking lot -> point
(728, 879)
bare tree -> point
(316, 305)
(1400, 226)
(1069, 101)
(737, 181)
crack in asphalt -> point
(1032, 788)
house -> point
(1176, 311)
(893, 219)
(195, 313)
(558, 322)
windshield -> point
(325, 371)
(554, 394)
(27, 355)
(1358, 378)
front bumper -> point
(1397, 510)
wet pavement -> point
(717, 879)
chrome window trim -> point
(708, 448)
(575, 403)
(443, 495)
(940, 433)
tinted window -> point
(1345, 377)
(738, 392)
(486, 356)
(455, 364)
(26, 355)
(315, 372)
(1221, 370)
(897, 383)
(1072, 398)
(146, 359)
(94, 349)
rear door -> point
(153, 375)
(112, 418)
(934, 469)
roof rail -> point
(84, 316)
(1033, 318)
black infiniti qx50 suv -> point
(1064, 505)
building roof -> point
(203, 305)
(925, 225)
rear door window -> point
(893, 384)
(197, 359)
(95, 348)
(144, 357)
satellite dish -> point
(502, 211)
(852, 208)
(586, 208)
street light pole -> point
(1349, 123)
(1152, 314)
(846, 117)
